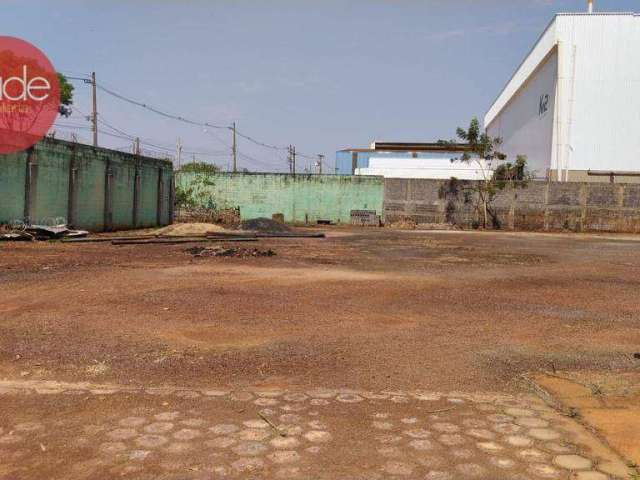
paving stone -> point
(216, 393)
(518, 440)
(179, 447)
(474, 423)
(122, 434)
(507, 428)
(421, 445)
(241, 396)
(543, 470)
(112, 448)
(295, 397)
(132, 422)
(462, 453)
(224, 429)
(451, 439)
(249, 448)
(167, 416)
(284, 456)
(159, 427)
(532, 422)
(318, 436)
(187, 434)
(151, 441)
(245, 465)
(481, 433)
(471, 469)
(572, 462)
(418, 433)
(398, 468)
(383, 425)
(253, 434)
(532, 455)
(28, 427)
(139, 455)
(519, 412)
(221, 442)
(349, 398)
(445, 427)
(500, 418)
(438, 475)
(543, 434)
(285, 443)
(194, 422)
(590, 475)
(501, 462)
(395, 435)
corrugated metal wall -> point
(299, 198)
(597, 96)
(90, 188)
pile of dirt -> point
(188, 229)
(263, 225)
(229, 252)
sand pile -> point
(188, 229)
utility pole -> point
(136, 146)
(293, 159)
(94, 113)
(179, 152)
(235, 149)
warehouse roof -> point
(411, 147)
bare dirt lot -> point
(172, 361)
(362, 308)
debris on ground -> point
(27, 232)
(229, 252)
(263, 225)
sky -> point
(322, 75)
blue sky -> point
(322, 75)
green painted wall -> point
(12, 180)
(73, 182)
(299, 197)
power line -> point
(181, 118)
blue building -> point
(350, 159)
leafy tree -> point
(66, 95)
(485, 154)
(199, 167)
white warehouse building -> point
(573, 105)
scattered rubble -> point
(229, 252)
(262, 224)
(25, 232)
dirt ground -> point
(152, 332)
(362, 308)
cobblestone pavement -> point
(72, 431)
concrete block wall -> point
(544, 206)
(90, 188)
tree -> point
(66, 95)
(483, 151)
(199, 167)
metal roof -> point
(411, 147)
